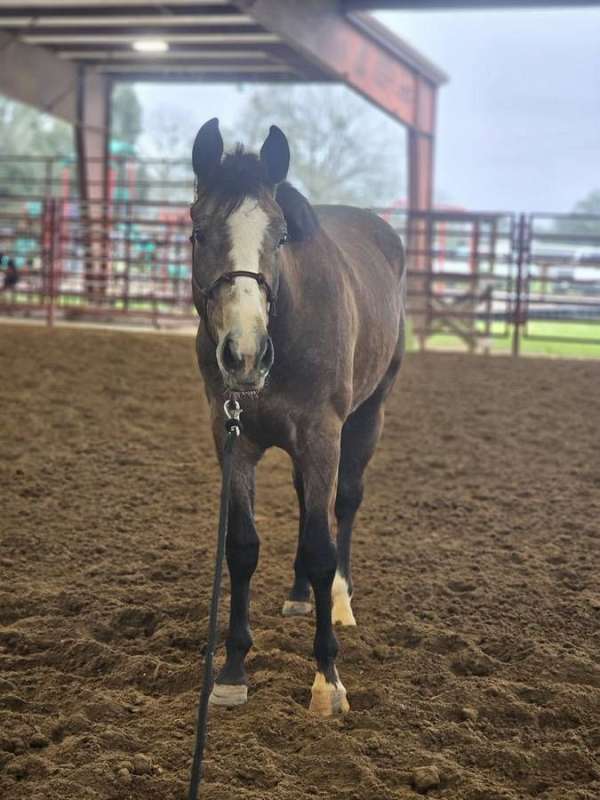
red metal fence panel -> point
(478, 278)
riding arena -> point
(381, 425)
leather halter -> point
(229, 277)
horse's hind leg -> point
(318, 460)
(298, 602)
(360, 435)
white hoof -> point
(296, 608)
(328, 698)
(341, 614)
(228, 695)
(341, 611)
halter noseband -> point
(229, 277)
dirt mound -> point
(473, 674)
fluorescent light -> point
(150, 46)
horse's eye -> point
(197, 236)
(283, 240)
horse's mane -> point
(241, 174)
(302, 222)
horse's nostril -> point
(231, 359)
(268, 356)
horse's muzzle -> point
(243, 371)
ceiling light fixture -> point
(150, 46)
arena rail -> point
(486, 280)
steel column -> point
(92, 144)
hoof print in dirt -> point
(382, 652)
(426, 778)
(142, 765)
(124, 775)
(38, 740)
(469, 714)
(17, 770)
(472, 662)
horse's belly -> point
(376, 345)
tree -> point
(343, 150)
(27, 133)
(169, 140)
(589, 205)
(126, 114)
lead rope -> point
(233, 429)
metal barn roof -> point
(212, 41)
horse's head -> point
(238, 230)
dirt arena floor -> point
(477, 556)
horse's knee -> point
(318, 553)
(243, 544)
(349, 496)
(242, 557)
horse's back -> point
(360, 234)
(371, 258)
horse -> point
(301, 319)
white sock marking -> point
(341, 609)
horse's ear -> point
(207, 150)
(275, 155)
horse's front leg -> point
(318, 461)
(231, 685)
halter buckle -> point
(232, 409)
(232, 413)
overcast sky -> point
(519, 122)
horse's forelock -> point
(240, 175)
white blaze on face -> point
(246, 311)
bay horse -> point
(301, 319)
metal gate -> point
(482, 279)
(558, 290)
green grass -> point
(574, 330)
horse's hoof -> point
(296, 608)
(327, 698)
(228, 695)
(341, 613)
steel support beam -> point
(92, 128)
(92, 142)
(35, 76)
(357, 52)
(476, 5)
(345, 51)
